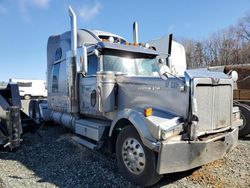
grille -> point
(214, 106)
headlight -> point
(163, 128)
(236, 113)
(165, 134)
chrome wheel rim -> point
(133, 156)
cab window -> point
(92, 64)
(55, 77)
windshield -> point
(130, 65)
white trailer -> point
(31, 88)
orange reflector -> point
(104, 40)
(135, 44)
(126, 43)
(148, 112)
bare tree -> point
(225, 47)
(198, 55)
(244, 28)
(189, 48)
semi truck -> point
(29, 88)
(241, 93)
(119, 95)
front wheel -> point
(135, 161)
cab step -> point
(84, 142)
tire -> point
(34, 111)
(3, 128)
(27, 97)
(129, 150)
(245, 115)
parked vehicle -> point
(13, 121)
(31, 88)
(116, 94)
(241, 93)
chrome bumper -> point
(176, 155)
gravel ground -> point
(54, 160)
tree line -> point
(225, 47)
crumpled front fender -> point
(149, 128)
(141, 124)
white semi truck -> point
(116, 94)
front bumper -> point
(176, 155)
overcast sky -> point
(25, 25)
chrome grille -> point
(214, 105)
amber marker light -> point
(148, 112)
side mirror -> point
(84, 60)
(164, 71)
(234, 75)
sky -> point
(25, 25)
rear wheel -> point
(3, 133)
(136, 161)
(27, 97)
(34, 111)
(245, 115)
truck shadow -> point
(54, 158)
(173, 177)
(246, 137)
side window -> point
(24, 84)
(92, 64)
(58, 54)
(55, 77)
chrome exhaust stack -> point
(74, 108)
(135, 32)
(73, 31)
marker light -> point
(148, 112)
(146, 45)
(111, 39)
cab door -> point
(88, 88)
